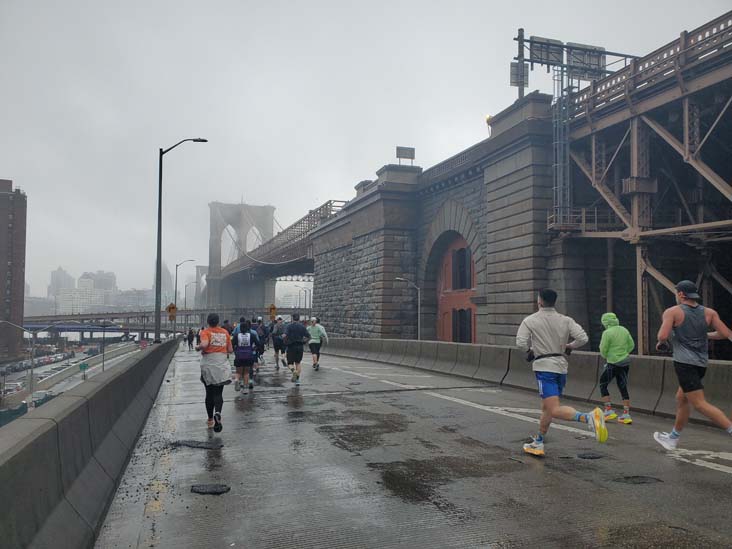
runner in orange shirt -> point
(215, 370)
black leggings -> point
(620, 373)
(214, 399)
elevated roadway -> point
(370, 454)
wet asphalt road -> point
(374, 455)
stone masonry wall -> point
(356, 294)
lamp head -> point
(200, 140)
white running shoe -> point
(665, 440)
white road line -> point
(514, 413)
(404, 375)
(370, 368)
(352, 373)
(689, 456)
(509, 412)
(402, 385)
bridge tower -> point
(241, 218)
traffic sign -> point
(83, 366)
(171, 309)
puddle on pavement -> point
(418, 481)
(655, 535)
(210, 489)
(202, 444)
(294, 399)
(320, 417)
(356, 437)
(213, 461)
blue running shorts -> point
(550, 384)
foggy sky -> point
(299, 100)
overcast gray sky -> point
(300, 101)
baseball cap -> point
(279, 317)
(689, 289)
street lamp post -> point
(308, 292)
(159, 262)
(175, 292)
(419, 304)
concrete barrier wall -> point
(60, 464)
(652, 383)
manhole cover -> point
(590, 455)
(203, 444)
(637, 480)
(210, 489)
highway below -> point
(374, 455)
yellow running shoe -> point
(610, 415)
(597, 424)
(625, 419)
(534, 448)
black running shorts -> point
(279, 345)
(690, 377)
(294, 354)
(243, 362)
(315, 348)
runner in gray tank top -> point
(686, 327)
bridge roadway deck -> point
(374, 455)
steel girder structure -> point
(647, 123)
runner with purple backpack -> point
(245, 341)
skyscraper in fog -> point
(60, 280)
(13, 206)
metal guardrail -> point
(601, 219)
(584, 219)
(127, 315)
(289, 244)
(701, 45)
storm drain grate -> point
(637, 480)
(210, 489)
(590, 455)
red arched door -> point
(455, 287)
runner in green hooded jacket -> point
(615, 348)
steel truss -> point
(625, 102)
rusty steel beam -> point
(675, 184)
(658, 275)
(708, 173)
(602, 234)
(683, 229)
(714, 273)
(714, 125)
(646, 105)
(641, 301)
(615, 155)
(604, 190)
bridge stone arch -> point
(241, 217)
(452, 221)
